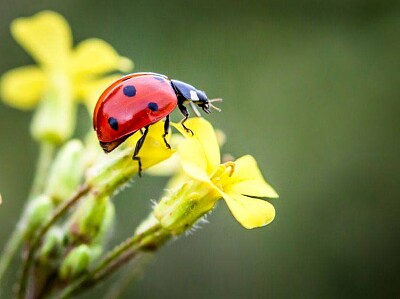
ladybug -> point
(136, 101)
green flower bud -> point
(112, 172)
(54, 119)
(179, 210)
(76, 262)
(51, 247)
(38, 212)
(66, 172)
(92, 150)
(91, 221)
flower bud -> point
(112, 172)
(77, 261)
(91, 221)
(92, 151)
(38, 212)
(180, 209)
(54, 119)
(51, 247)
(66, 172)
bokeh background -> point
(311, 89)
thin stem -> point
(46, 154)
(57, 214)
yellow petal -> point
(22, 87)
(194, 160)
(249, 212)
(171, 165)
(166, 168)
(206, 139)
(46, 36)
(95, 56)
(153, 150)
(248, 180)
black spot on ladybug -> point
(153, 106)
(129, 91)
(113, 123)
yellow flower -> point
(62, 76)
(206, 181)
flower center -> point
(224, 170)
(230, 165)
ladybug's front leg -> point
(138, 146)
(185, 113)
(166, 130)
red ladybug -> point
(136, 101)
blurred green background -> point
(311, 89)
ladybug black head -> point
(186, 92)
(204, 103)
(201, 100)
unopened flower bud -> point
(111, 173)
(38, 212)
(91, 221)
(76, 262)
(180, 209)
(52, 246)
(66, 172)
(92, 151)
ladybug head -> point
(201, 100)
(189, 93)
(199, 97)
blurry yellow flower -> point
(62, 76)
(238, 183)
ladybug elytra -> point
(136, 101)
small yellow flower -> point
(63, 74)
(206, 181)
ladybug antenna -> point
(212, 106)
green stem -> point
(119, 256)
(46, 154)
(58, 213)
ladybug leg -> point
(166, 130)
(138, 146)
(185, 113)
